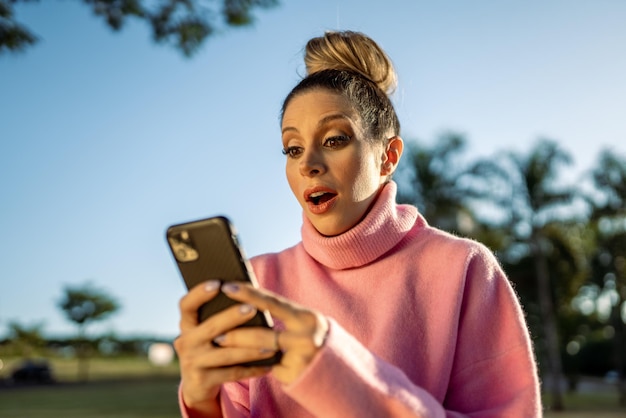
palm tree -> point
(429, 179)
(608, 219)
(536, 204)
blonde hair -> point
(351, 51)
(352, 65)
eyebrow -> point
(320, 123)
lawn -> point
(156, 397)
(120, 387)
(583, 405)
(136, 398)
(100, 368)
(133, 387)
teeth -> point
(317, 194)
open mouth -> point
(319, 198)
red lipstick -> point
(320, 199)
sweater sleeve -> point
(493, 373)
(234, 401)
(347, 380)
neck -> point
(384, 225)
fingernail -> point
(245, 308)
(219, 339)
(230, 287)
(211, 285)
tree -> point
(608, 221)
(536, 206)
(185, 23)
(452, 193)
(82, 305)
(27, 339)
(431, 181)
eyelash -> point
(340, 141)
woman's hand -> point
(204, 366)
(210, 351)
(302, 337)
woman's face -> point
(333, 171)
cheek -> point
(366, 178)
(291, 178)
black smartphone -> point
(209, 249)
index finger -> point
(281, 308)
(191, 302)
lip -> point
(322, 207)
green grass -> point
(100, 368)
(132, 387)
(136, 398)
(122, 387)
(156, 397)
(595, 405)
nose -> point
(312, 163)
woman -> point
(378, 314)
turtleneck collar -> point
(382, 228)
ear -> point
(391, 155)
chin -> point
(330, 230)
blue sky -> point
(107, 138)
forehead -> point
(315, 105)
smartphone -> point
(209, 249)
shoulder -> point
(269, 267)
(445, 244)
(445, 256)
(273, 259)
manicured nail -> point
(230, 287)
(219, 339)
(245, 308)
(211, 285)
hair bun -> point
(352, 51)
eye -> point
(292, 152)
(338, 141)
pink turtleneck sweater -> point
(422, 324)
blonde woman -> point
(378, 314)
